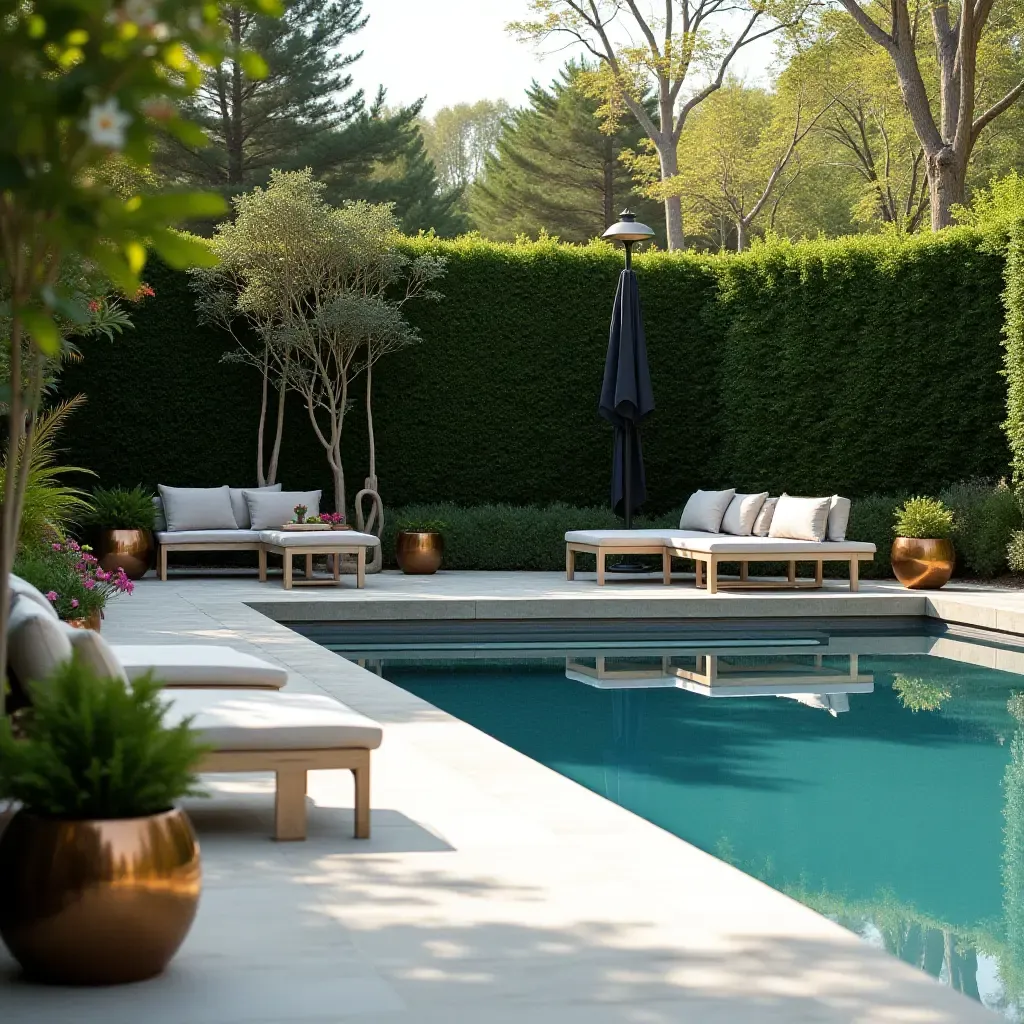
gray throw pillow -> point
(239, 505)
(800, 518)
(763, 522)
(197, 508)
(22, 588)
(705, 510)
(742, 513)
(270, 510)
(95, 653)
(838, 518)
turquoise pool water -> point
(880, 782)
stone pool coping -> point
(494, 889)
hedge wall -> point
(863, 366)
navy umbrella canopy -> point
(627, 398)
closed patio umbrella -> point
(627, 398)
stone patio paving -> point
(493, 890)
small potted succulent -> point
(123, 520)
(922, 553)
(70, 576)
(99, 871)
(419, 546)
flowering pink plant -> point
(331, 518)
(74, 582)
(300, 513)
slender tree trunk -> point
(946, 174)
(673, 204)
(261, 480)
(741, 234)
(234, 140)
(275, 452)
(369, 425)
(608, 195)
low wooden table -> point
(334, 543)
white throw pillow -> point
(25, 589)
(838, 518)
(240, 506)
(742, 512)
(36, 642)
(763, 522)
(95, 653)
(800, 518)
(270, 510)
(705, 510)
(197, 508)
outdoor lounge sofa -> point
(790, 530)
(249, 730)
(250, 519)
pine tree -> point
(555, 170)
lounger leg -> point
(819, 573)
(162, 558)
(792, 572)
(666, 568)
(600, 567)
(854, 574)
(286, 564)
(712, 575)
(263, 564)
(570, 563)
(744, 567)
(361, 568)
(362, 781)
(309, 567)
(337, 567)
(290, 805)
(698, 568)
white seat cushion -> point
(208, 537)
(741, 514)
(230, 720)
(800, 518)
(705, 510)
(37, 644)
(324, 539)
(626, 538)
(199, 665)
(768, 546)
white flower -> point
(142, 12)
(106, 124)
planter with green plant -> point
(922, 553)
(99, 871)
(419, 546)
(122, 519)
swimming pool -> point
(878, 779)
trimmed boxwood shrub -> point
(859, 366)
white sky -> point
(455, 51)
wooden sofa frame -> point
(291, 768)
(707, 564)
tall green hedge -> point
(862, 366)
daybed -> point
(250, 519)
(289, 734)
(723, 526)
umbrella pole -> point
(627, 475)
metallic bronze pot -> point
(131, 550)
(419, 552)
(93, 621)
(923, 564)
(97, 902)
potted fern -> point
(123, 519)
(99, 871)
(922, 553)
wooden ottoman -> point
(287, 544)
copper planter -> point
(93, 621)
(131, 550)
(922, 564)
(419, 552)
(97, 902)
